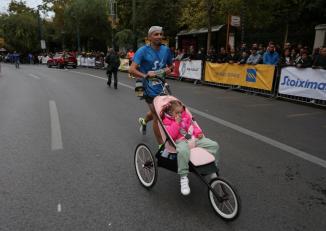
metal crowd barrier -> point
(274, 93)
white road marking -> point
(284, 147)
(34, 76)
(56, 139)
(95, 76)
(303, 114)
(59, 208)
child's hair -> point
(173, 105)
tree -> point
(92, 20)
(19, 27)
(124, 38)
(20, 7)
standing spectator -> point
(304, 60)
(243, 48)
(192, 53)
(293, 54)
(130, 55)
(30, 58)
(180, 55)
(287, 46)
(254, 45)
(261, 49)
(211, 55)
(254, 58)
(271, 57)
(113, 61)
(232, 57)
(286, 59)
(320, 60)
(201, 54)
(221, 58)
(315, 54)
(243, 57)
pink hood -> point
(173, 127)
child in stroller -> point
(186, 134)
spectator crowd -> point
(290, 55)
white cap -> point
(154, 29)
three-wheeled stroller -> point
(222, 196)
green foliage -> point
(124, 38)
(20, 31)
(90, 18)
(20, 7)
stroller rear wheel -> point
(145, 166)
(226, 201)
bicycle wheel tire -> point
(145, 166)
(227, 205)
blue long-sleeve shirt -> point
(271, 58)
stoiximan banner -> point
(304, 82)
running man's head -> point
(155, 35)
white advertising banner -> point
(83, 61)
(303, 82)
(191, 69)
(90, 62)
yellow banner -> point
(255, 76)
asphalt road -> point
(66, 157)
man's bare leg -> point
(148, 117)
(156, 129)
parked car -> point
(62, 60)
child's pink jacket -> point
(173, 127)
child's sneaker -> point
(184, 182)
(142, 123)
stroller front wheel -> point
(145, 166)
(225, 200)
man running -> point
(147, 61)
